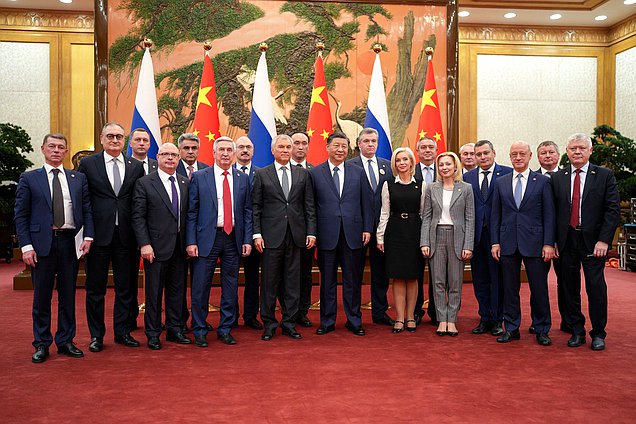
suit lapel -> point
(101, 170)
(438, 193)
(590, 179)
(530, 187)
(43, 181)
(235, 191)
(72, 189)
(210, 180)
(271, 174)
(457, 192)
(326, 171)
(129, 166)
(160, 188)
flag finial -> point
(377, 47)
(429, 51)
(147, 43)
(263, 47)
(320, 46)
(207, 45)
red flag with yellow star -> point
(319, 124)
(206, 117)
(430, 124)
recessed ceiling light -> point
(600, 18)
(629, 1)
(510, 15)
(465, 13)
(558, 16)
(66, 1)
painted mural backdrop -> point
(291, 29)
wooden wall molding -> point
(505, 34)
(38, 20)
(622, 30)
(535, 4)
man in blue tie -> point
(522, 230)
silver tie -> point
(116, 177)
(285, 182)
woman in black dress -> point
(398, 235)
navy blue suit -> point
(341, 222)
(213, 243)
(55, 253)
(521, 233)
(486, 271)
(379, 281)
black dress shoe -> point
(418, 319)
(509, 336)
(497, 329)
(40, 354)
(268, 335)
(96, 344)
(355, 329)
(576, 340)
(154, 343)
(178, 338)
(598, 343)
(482, 327)
(531, 330)
(384, 320)
(543, 339)
(324, 330)
(201, 341)
(291, 332)
(453, 333)
(226, 338)
(69, 349)
(254, 323)
(303, 321)
(126, 340)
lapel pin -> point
(382, 171)
(459, 189)
(72, 175)
(593, 172)
(534, 179)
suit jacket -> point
(353, 210)
(462, 212)
(273, 213)
(529, 227)
(153, 220)
(182, 171)
(385, 173)
(104, 201)
(600, 209)
(418, 173)
(251, 174)
(153, 165)
(483, 206)
(203, 210)
(34, 209)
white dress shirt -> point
(481, 175)
(545, 171)
(195, 168)
(582, 177)
(248, 167)
(279, 173)
(445, 219)
(294, 163)
(341, 174)
(167, 184)
(108, 160)
(219, 178)
(524, 182)
(374, 166)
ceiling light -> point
(558, 16)
(629, 1)
(465, 13)
(510, 15)
(66, 1)
(600, 18)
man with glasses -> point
(111, 178)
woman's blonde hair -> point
(410, 155)
(458, 164)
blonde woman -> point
(398, 235)
(448, 226)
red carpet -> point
(379, 378)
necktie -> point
(175, 198)
(145, 165)
(300, 165)
(58, 200)
(227, 205)
(190, 172)
(285, 182)
(484, 185)
(428, 178)
(374, 182)
(336, 179)
(518, 191)
(244, 169)
(116, 177)
(576, 200)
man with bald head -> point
(160, 204)
(522, 230)
(467, 157)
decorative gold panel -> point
(534, 4)
(36, 20)
(532, 35)
(622, 30)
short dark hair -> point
(548, 143)
(337, 134)
(303, 133)
(484, 142)
(57, 136)
(138, 129)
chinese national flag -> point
(430, 124)
(206, 117)
(319, 124)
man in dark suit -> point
(485, 269)
(378, 171)
(111, 178)
(345, 220)
(251, 263)
(188, 144)
(160, 205)
(284, 226)
(522, 229)
(588, 212)
(52, 205)
(300, 148)
(139, 141)
(219, 225)
(426, 149)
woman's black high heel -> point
(398, 330)
(411, 329)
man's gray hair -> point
(580, 137)
(366, 131)
(188, 136)
(280, 136)
(417, 145)
(461, 149)
(223, 138)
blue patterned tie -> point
(428, 178)
(518, 191)
(374, 182)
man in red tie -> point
(219, 226)
(587, 205)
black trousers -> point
(251, 272)
(379, 281)
(573, 256)
(419, 302)
(125, 261)
(306, 280)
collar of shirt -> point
(524, 173)
(278, 166)
(164, 176)
(424, 166)
(108, 158)
(294, 163)
(491, 169)
(583, 169)
(365, 160)
(194, 165)
(48, 168)
(218, 172)
(332, 166)
(399, 181)
(248, 166)
(545, 171)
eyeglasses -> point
(113, 136)
(170, 155)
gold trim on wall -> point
(610, 73)
(38, 20)
(534, 4)
(505, 34)
(622, 30)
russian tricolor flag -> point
(262, 127)
(146, 115)
(377, 116)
